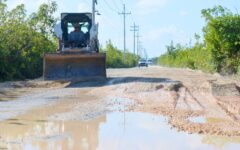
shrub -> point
(115, 58)
(222, 38)
(24, 40)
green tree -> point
(196, 57)
(24, 40)
(43, 20)
(115, 58)
(222, 38)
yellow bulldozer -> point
(78, 56)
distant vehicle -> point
(142, 63)
(150, 62)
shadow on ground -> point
(118, 80)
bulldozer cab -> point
(68, 20)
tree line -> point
(117, 59)
(220, 49)
(24, 39)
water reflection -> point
(198, 119)
(115, 131)
(51, 135)
(148, 132)
(7, 94)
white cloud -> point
(148, 6)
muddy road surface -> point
(134, 109)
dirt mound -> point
(225, 89)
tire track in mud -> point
(185, 100)
(227, 98)
(194, 98)
(226, 108)
(184, 94)
(183, 124)
(182, 105)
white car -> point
(142, 63)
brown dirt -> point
(188, 94)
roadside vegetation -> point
(115, 57)
(193, 57)
(24, 39)
(220, 49)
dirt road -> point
(147, 104)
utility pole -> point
(94, 2)
(135, 28)
(145, 53)
(138, 43)
(124, 13)
(140, 47)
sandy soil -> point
(182, 95)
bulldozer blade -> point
(74, 66)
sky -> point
(160, 21)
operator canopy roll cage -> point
(67, 22)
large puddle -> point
(115, 131)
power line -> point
(124, 13)
(105, 16)
(134, 28)
(114, 26)
(122, 2)
(115, 4)
(132, 17)
(138, 43)
(110, 6)
(105, 9)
